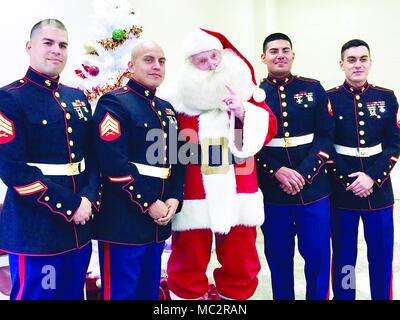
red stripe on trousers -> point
(21, 273)
(391, 288)
(107, 275)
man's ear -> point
(263, 57)
(28, 47)
(131, 67)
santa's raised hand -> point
(234, 103)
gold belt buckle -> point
(287, 142)
(363, 153)
(73, 168)
(165, 173)
(205, 167)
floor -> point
(264, 292)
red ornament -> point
(92, 70)
(80, 73)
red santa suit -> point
(225, 199)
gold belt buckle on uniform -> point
(363, 153)
(73, 168)
(287, 142)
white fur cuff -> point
(255, 130)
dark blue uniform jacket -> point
(133, 126)
(301, 107)
(45, 122)
(365, 117)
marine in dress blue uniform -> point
(48, 164)
(134, 130)
(303, 143)
(367, 140)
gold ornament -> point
(89, 48)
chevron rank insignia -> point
(110, 128)
(7, 131)
(30, 189)
(324, 155)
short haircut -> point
(276, 36)
(354, 43)
(139, 45)
(47, 22)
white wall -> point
(17, 18)
(319, 29)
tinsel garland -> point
(111, 44)
(98, 91)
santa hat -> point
(200, 40)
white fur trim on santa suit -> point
(175, 297)
(199, 41)
(223, 208)
(259, 94)
(255, 129)
(248, 210)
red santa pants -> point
(236, 252)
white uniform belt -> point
(292, 141)
(359, 152)
(68, 169)
(153, 171)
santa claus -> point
(222, 112)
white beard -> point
(198, 91)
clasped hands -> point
(362, 186)
(290, 180)
(162, 212)
(293, 182)
(84, 212)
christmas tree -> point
(115, 30)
